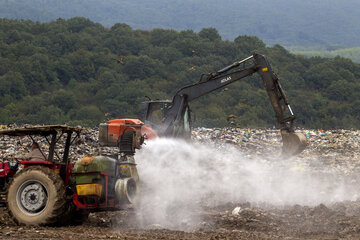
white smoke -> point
(179, 178)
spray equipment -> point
(122, 133)
(126, 135)
(125, 190)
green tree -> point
(64, 100)
(89, 115)
(210, 34)
(12, 84)
(50, 115)
(339, 90)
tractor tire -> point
(36, 196)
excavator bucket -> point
(293, 143)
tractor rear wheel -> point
(36, 196)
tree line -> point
(76, 71)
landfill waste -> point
(236, 211)
(338, 149)
(329, 152)
(86, 145)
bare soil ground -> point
(339, 221)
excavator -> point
(172, 118)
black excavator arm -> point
(172, 123)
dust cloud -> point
(179, 179)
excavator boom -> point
(175, 114)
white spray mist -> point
(180, 178)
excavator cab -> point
(156, 112)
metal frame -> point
(46, 131)
(108, 203)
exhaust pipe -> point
(125, 190)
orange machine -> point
(123, 133)
(128, 134)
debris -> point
(154, 226)
(236, 211)
(337, 149)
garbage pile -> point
(254, 142)
(339, 149)
(86, 145)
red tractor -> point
(59, 191)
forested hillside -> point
(75, 71)
(296, 22)
(352, 53)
